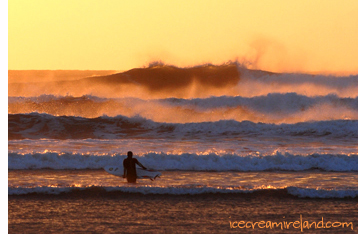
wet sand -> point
(100, 212)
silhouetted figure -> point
(130, 171)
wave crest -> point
(190, 162)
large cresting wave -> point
(164, 81)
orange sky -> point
(275, 35)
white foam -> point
(322, 193)
(270, 108)
(306, 84)
(189, 162)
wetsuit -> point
(129, 165)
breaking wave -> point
(155, 80)
(190, 162)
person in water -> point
(130, 171)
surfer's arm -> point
(141, 165)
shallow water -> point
(314, 184)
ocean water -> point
(232, 145)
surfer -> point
(129, 168)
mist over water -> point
(164, 81)
(270, 108)
(204, 93)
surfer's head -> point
(129, 154)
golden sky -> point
(275, 35)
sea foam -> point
(190, 162)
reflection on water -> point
(185, 179)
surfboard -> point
(141, 173)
